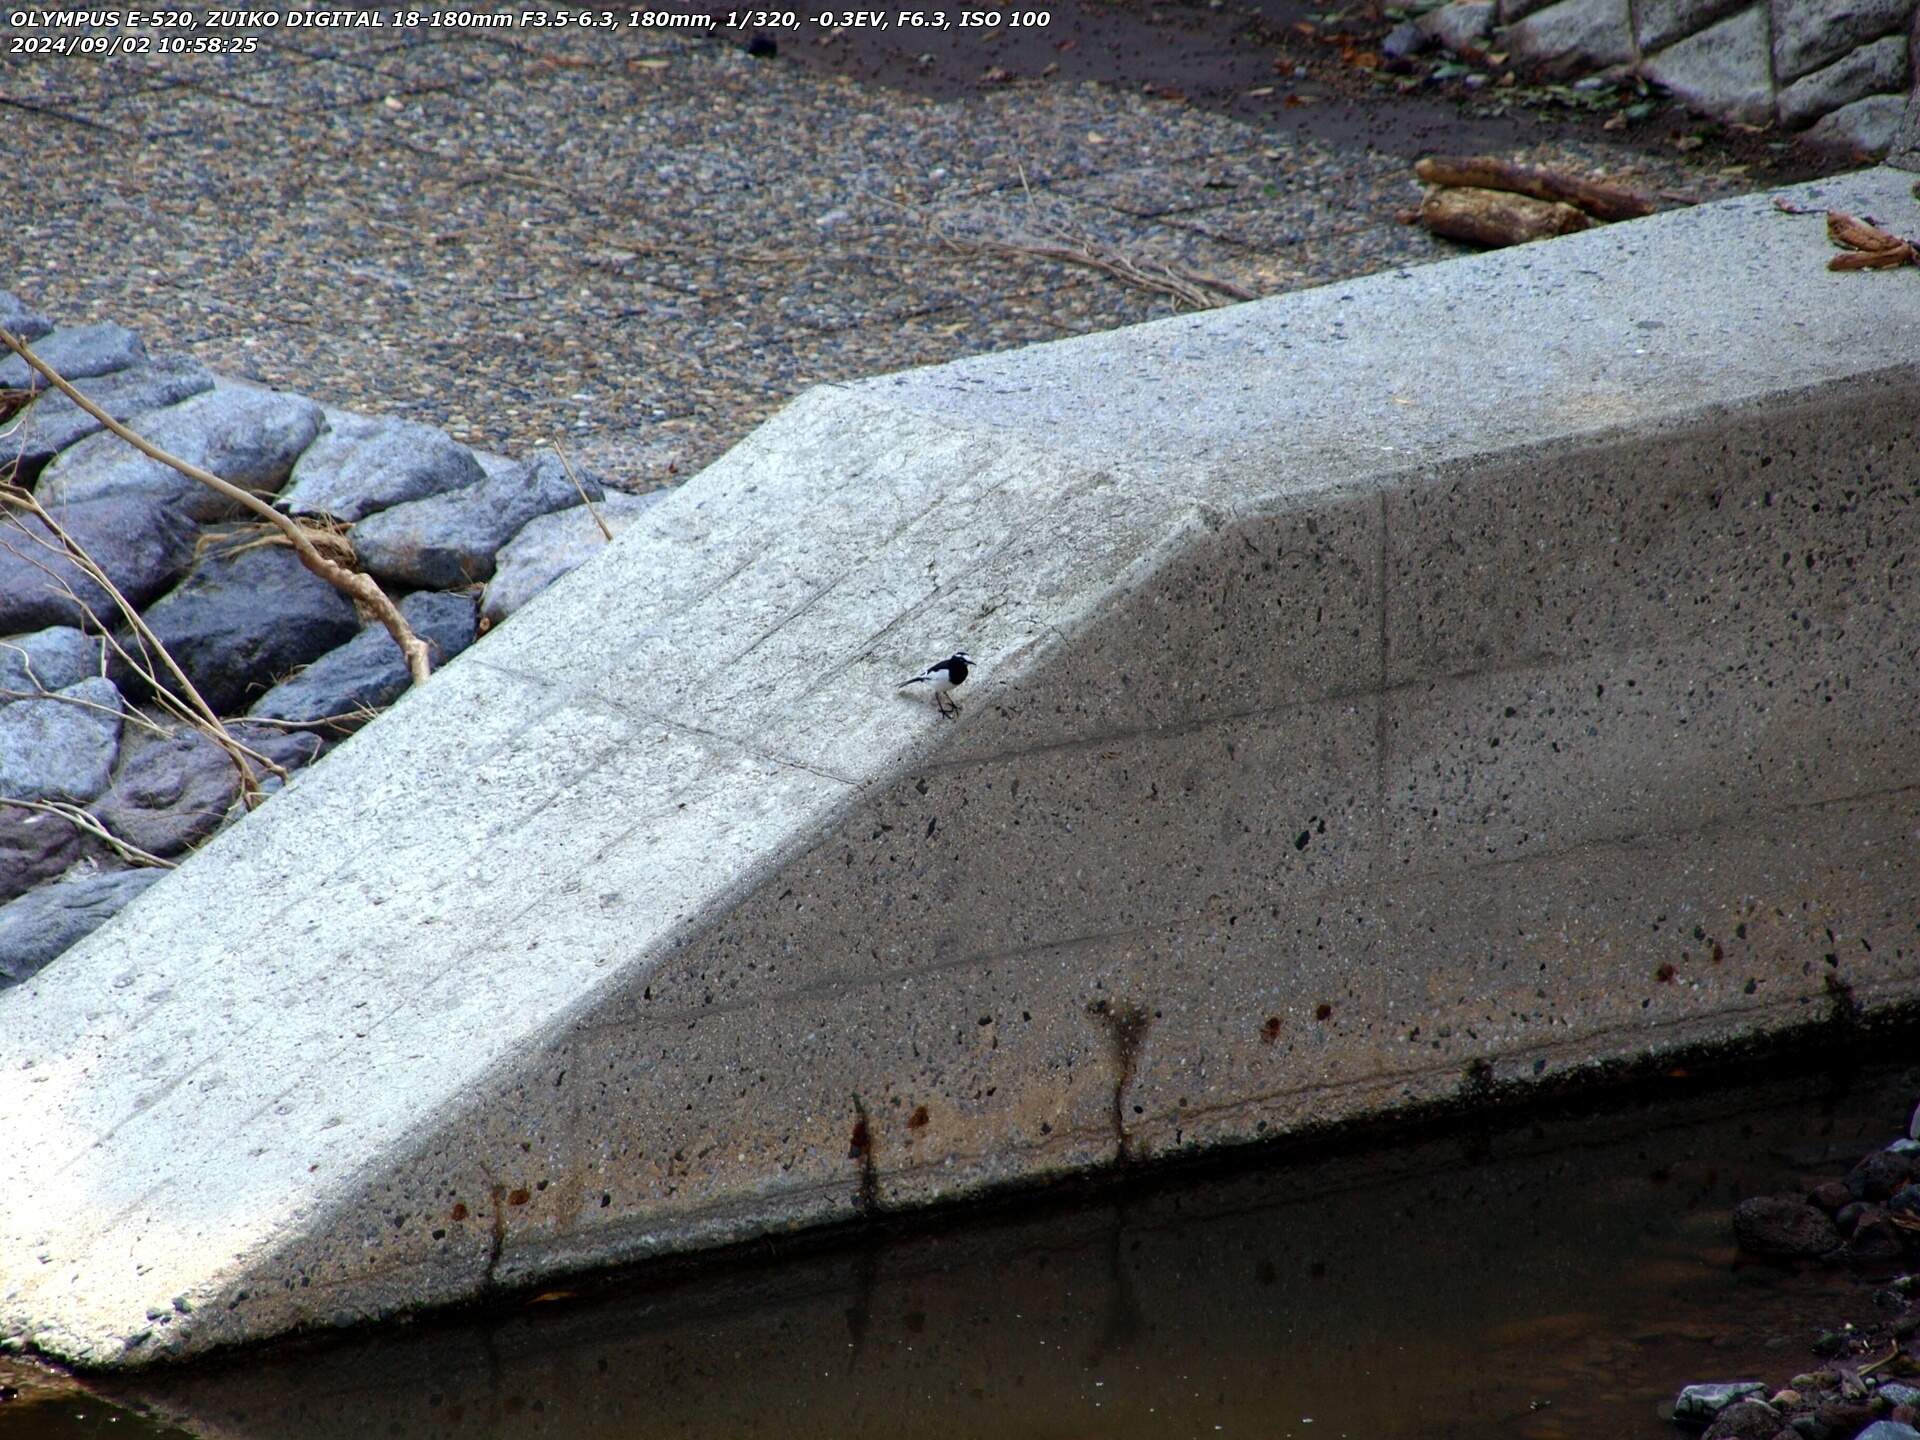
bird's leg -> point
(949, 707)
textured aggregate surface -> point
(646, 242)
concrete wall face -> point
(1318, 820)
(1344, 737)
(1842, 69)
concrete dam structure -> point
(1461, 676)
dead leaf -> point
(1858, 234)
(1873, 259)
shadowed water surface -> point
(1533, 1278)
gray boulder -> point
(63, 747)
(171, 792)
(34, 846)
(1879, 68)
(246, 436)
(142, 545)
(49, 659)
(1784, 1226)
(242, 619)
(548, 546)
(1697, 1404)
(1572, 37)
(78, 352)
(1749, 1419)
(451, 539)
(363, 463)
(1462, 25)
(53, 422)
(1721, 70)
(1867, 126)
(1404, 41)
(41, 924)
(1812, 33)
(492, 464)
(369, 671)
(28, 325)
(290, 749)
(1659, 23)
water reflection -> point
(1539, 1280)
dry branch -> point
(343, 723)
(40, 692)
(355, 584)
(195, 709)
(584, 498)
(1483, 172)
(85, 820)
(1497, 217)
(1194, 288)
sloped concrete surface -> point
(1449, 677)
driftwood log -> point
(1482, 172)
(1497, 217)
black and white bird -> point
(941, 680)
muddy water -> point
(1533, 1278)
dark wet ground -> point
(1538, 1278)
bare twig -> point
(26, 667)
(87, 821)
(16, 498)
(355, 584)
(40, 692)
(344, 722)
(1191, 287)
(581, 488)
(1869, 1369)
(243, 536)
(1194, 288)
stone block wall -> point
(1840, 70)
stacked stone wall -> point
(1839, 70)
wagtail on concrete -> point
(941, 680)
